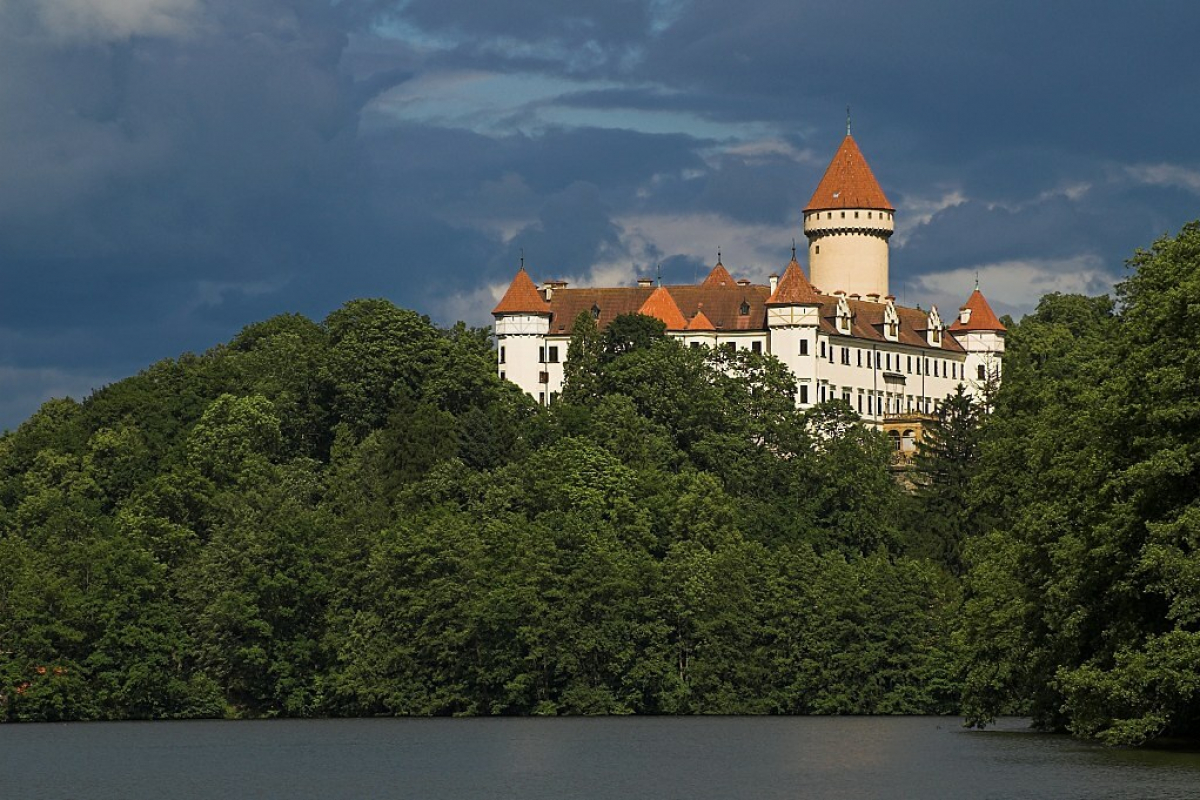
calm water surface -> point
(685, 758)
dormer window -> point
(595, 311)
(744, 310)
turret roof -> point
(848, 183)
(701, 323)
(719, 276)
(522, 297)
(661, 305)
(793, 288)
(982, 318)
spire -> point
(979, 315)
(522, 296)
(661, 305)
(848, 182)
(847, 120)
(794, 289)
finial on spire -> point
(847, 120)
(660, 273)
(977, 280)
(522, 258)
(793, 248)
(718, 254)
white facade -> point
(841, 335)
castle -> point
(838, 329)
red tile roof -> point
(793, 288)
(701, 323)
(522, 297)
(848, 183)
(719, 276)
(982, 317)
(721, 307)
(661, 305)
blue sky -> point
(173, 170)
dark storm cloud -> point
(171, 171)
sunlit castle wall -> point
(848, 250)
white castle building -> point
(838, 329)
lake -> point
(690, 758)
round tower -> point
(848, 223)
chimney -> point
(549, 286)
(774, 279)
(645, 283)
(856, 297)
(743, 282)
(873, 297)
(964, 315)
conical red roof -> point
(982, 317)
(848, 183)
(701, 323)
(794, 289)
(522, 297)
(661, 305)
(718, 277)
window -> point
(595, 311)
(822, 349)
(744, 309)
(501, 354)
(695, 345)
(860, 358)
(822, 394)
(846, 356)
(856, 215)
(888, 360)
(982, 372)
(553, 355)
(909, 370)
(843, 215)
(831, 348)
(860, 402)
(846, 396)
(541, 398)
(501, 374)
(936, 367)
(818, 249)
(878, 360)
(756, 347)
(541, 355)
(918, 365)
(731, 347)
(804, 393)
(927, 366)
(804, 347)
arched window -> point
(894, 436)
(744, 310)
(595, 311)
(909, 441)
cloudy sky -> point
(173, 170)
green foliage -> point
(1082, 603)
(359, 517)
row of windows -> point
(873, 404)
(755, 347)
(882, 215)
(941, 368)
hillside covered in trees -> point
(358, 517)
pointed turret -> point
(977, 315)
(848, 222)
(661, 305)
(701, 323)
(848, 183)
(522, 297)
(718, 277)
(793, 288)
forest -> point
(357, 517)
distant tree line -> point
(358, 517)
